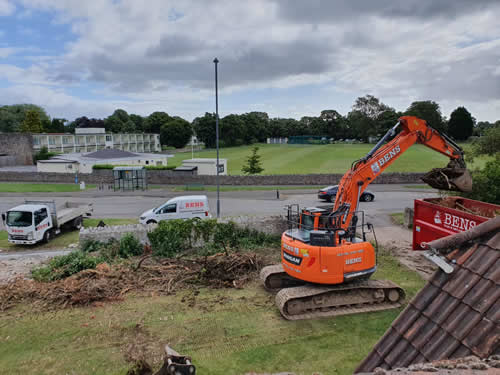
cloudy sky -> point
(288, 58)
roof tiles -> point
(453, 316)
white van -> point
(185, 207)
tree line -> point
(368, 117)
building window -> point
(36, 140)
(108, 138)
(147, 162)
(159, 163)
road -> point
(389, 199)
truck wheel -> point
(77, 223)
(47, 236)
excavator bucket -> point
(452, 177)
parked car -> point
(330, 192)
(185, 207)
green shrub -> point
(103, 166)
(89, 246)
(130, 246)
(486, 183)
(160, 167)
(63, 266)
(171, 237)
(148, 167)
(175, 236)
(43, 154)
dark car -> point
(330, 192)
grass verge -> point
(7, 187)
(226, 331)
(398, 218)
(63, 240)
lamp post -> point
(216, 61)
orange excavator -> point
(326, 261)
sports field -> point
(305, 159)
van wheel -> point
(47, 236)
(77, 223)
(151, 222)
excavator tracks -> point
(275, 278)
(309, 302)
(298, 300)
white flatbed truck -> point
(36, 221)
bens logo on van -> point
(194, 204)
(380, 162)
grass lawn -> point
(7, 187)
(225, 331)
(305, 159)
(62, 240)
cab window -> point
(169, 208)
(40, 215)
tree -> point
(177, 132)
(138, 121)
(232, 131)
(12, 116)
(461, 124)
(204, 128)
(154, 122)
(370, 106)
(32, 122)
(486, 181)
(253, 163)
(56, 126)
(369, 117)
(429, 111)
(256, 125)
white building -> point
(83, 163)
(95, 139)
(207, 166)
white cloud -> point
(400, 52)
(6, 8)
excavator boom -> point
(454, 176)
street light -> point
(216, 61)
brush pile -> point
(141, 275)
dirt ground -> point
(398, 241)
(14, 265)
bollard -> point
(277, 194)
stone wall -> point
(17, 149)
(167, 177)
(267, 224)
(116, 232)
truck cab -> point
(28, 224)
(36, 221)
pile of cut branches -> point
(147, 274)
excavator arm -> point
(364, 171)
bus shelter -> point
(129, 178)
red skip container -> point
(434, 218)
